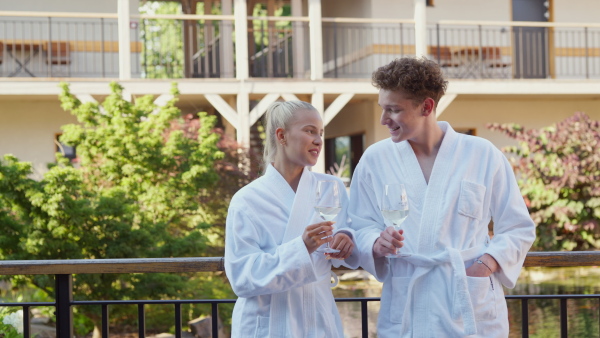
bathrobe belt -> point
(456, 258)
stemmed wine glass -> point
(328, 205)
(394, 208)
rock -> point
(42, 331)
(202, 327)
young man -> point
(451, 284)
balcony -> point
(64, 270)
(87, 46)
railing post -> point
(563, 318)
(141, 321)
(587, 55)
(524, 318)
(64, 312)
(241, 40)
(178, 320)
(364, 317)
(105, 327)
(215, 320)
(335, 65)
(26, 322)
(102, 45)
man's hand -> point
(389, 240)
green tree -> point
(138, 191)
(558, 171)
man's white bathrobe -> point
(429, 294)
(283, 290)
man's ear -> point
(428, 106)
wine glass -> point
(394, 208)
(328, 205)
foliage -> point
(558, 170)
(139, 191)
(11, 324)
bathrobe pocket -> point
(470, 201)
(482, 297)
(399, 296)
(262, 327)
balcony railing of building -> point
(63, 270)
(203, 46)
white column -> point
(124, 40)
(316, 40)
(241, 40)
(420, 28)
(318, 102)
(227, 41)
(243, 112)
(298, 40)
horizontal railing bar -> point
(30, 304)
(574, 296)
(562, 258)
(214, 264)
(152, 301)
(292, 18)
(123, 265)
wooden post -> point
(124, 40)
(241, 40)
(420, 28)
(316, 41)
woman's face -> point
(303, 138)
(400, 115)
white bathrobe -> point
(283, 290)
(429, 294)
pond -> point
(544, 315)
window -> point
(468, 131)
(342, 155)
(430, 3)
(68, 151)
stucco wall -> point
(534, 112)
(28, 127)
(496, 10)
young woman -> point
(273, 232)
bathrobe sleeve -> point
(514, 230)
(251, 270)
(353, 261)
(367, 223)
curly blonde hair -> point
(418, 79)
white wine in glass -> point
(328, 204)
(394, 208)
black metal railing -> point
(65, 269)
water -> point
(544, 315)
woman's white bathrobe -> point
(283, 290)
(429, 294)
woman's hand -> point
(316, 235)
(343, 242)
(388, 241)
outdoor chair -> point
(57, 52)
(443, 56)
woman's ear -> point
(280, 134)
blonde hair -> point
(278, 115)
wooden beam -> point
(224, 109)
(213, 264)
(290, 97)
(444, 103)
(335, 107)
(262, 106)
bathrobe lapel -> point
(301, 214)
